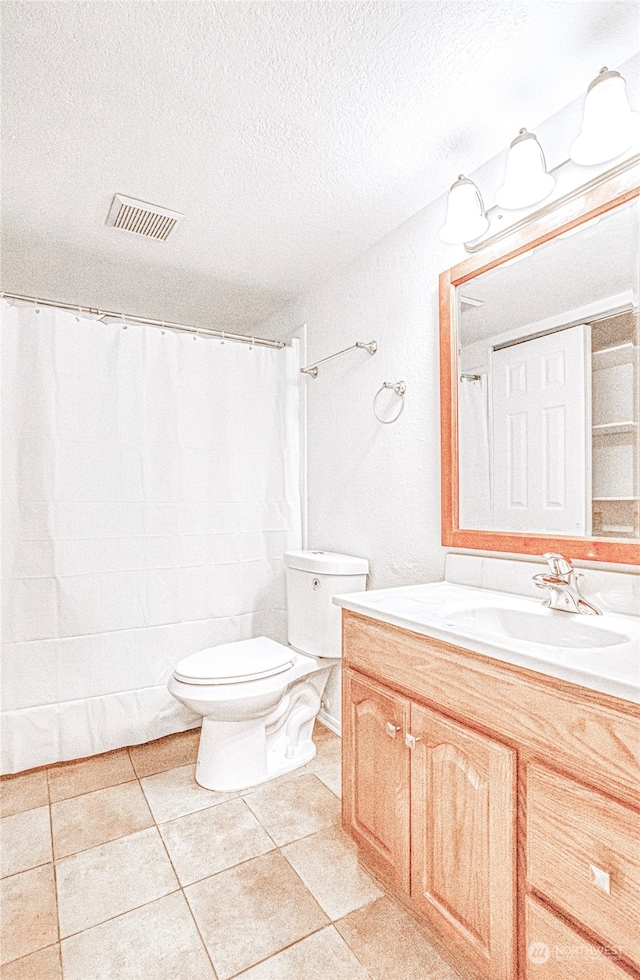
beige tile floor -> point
(120, 867)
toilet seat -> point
(234, 663)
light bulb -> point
(609, 127)
(526, 180)
(466, 219)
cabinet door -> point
(375, 780)
(463, 816)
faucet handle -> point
(558, 565)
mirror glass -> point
(548, 386)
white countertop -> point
(612, 669)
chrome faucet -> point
(562, 586)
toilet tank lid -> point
(233, 662)
(326, 563)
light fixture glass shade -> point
(466, 219)
(609, 127)
(526, 180)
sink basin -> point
(598, 652)
(546, 627)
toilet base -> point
(229, 761)
(236, 755)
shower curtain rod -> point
(237, 338)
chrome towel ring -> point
(399, 388)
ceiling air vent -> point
(142, 218)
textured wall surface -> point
(292, 135)
(374, 490)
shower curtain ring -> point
(78, 314)
(162, 329)
(37, 305)
(124, 325)
(222, 332)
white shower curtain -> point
(474, 455)
(150, 488)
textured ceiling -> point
(292, 135)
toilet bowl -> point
(258, 698)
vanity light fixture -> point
(526, 180)
(609, 127)
(466, 219)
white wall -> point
(374, 490)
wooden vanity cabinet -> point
(376, 798)
(463, 795)
(500, 805)
(431, 804)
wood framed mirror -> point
(540, 385)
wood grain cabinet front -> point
(432, 805)
(375, 771)
(556, 952)
(500, 805)
(463, 860)
(583, 856)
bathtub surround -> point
(151, 487)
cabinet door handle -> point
(411, 740)
(392, 729)
(601, 879)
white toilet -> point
(258, 698)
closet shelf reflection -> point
(614, 428)
(619, 499)
(614, 356)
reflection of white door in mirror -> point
(540, 398)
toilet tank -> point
(313, 578)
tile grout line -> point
(136, 777)
(332, 924)
(276, 849)
(55, 876)
(24, 956)
(197, 928)
(112, 840)
(265, 959)
(66, 764)
(346, 941)
(112, 918)
(84, 850)
(34, 867)
(181, 887)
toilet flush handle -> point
(316, 584)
